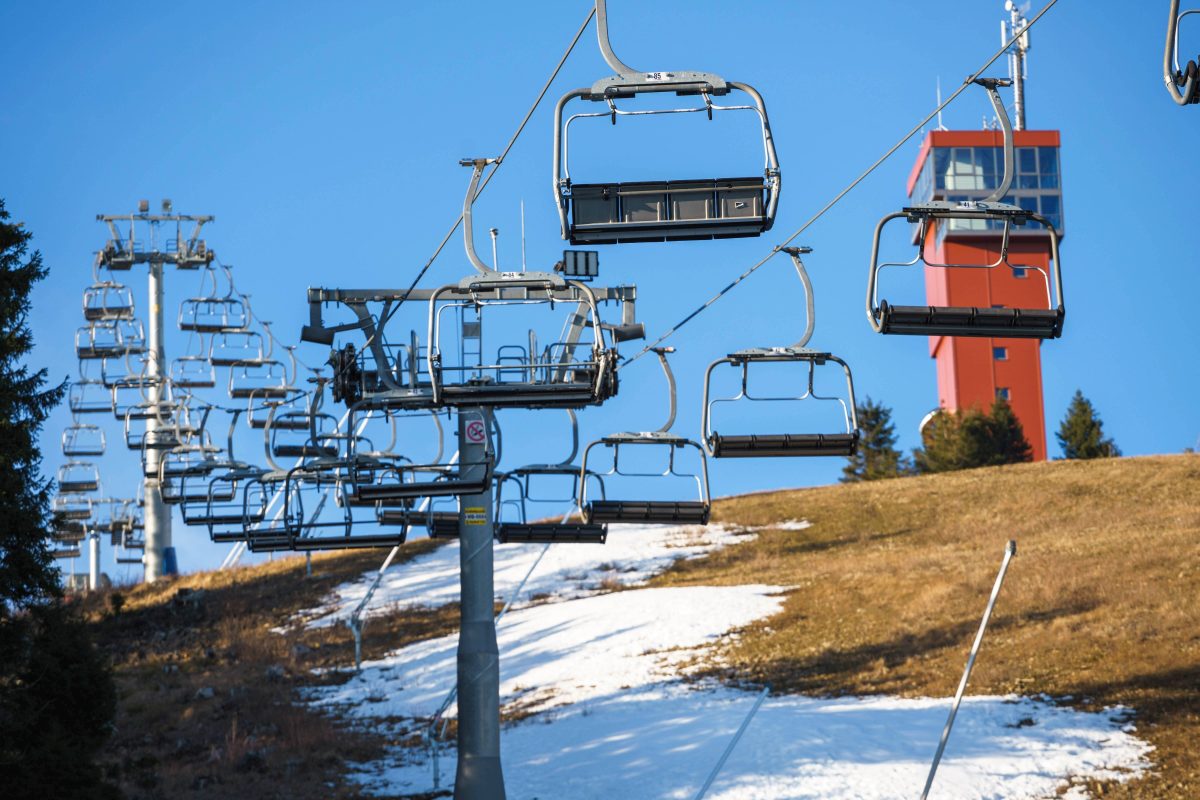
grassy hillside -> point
(891, 579)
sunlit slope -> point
(892, 578)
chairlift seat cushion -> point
(663, 211)
(687, 512)
(277, 543)
(1021, 323)
(783, 444)
(551, 532)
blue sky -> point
(325, 140)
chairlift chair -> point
(89, 396)
(129, 371)
(212, 312)
(77, 477)
(533, 508)
(103, 339)
(83, 440)
(657, 211)
(569, 373)
(230, 348)
(1031, 323)
(753, 445)
(238, 501)
(193, 372)
(686, 512)
(64, 552)
(1182, 82)
(70, 506)
(107, 300)
(262, 380)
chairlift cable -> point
(838, 197)
(495, 167)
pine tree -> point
(966, 439)
(27, 573)
(57, 698)
(877, 456)
(1081, 434)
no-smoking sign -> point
(476, 433)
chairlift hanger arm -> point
(477, 165)
(1174, 78)
(990, 85)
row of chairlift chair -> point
(372, 483)
(613, 213)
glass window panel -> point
(985, 158)
(1027, 160)
(1048, 181)
(1051, 204)
(941, 160)
(1026, 181)
(1018, 272)
(1000, 353)
(1028, 202)
(1048, 156)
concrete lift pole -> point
(479, 775)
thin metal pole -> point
(732, 744)
(159, 556)
(479, 775)
(1010, 550)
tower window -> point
(1000, 353)
(1018, 272)
(1003, 393)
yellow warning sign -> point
(475, 516)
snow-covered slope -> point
(602, 675)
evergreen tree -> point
(966, 439)
(57, 698)
(1081, 434)
(877, 456)
(27, 573)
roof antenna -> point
(1016, 29)
(940, 125)
(522, 234)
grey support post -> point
(158, 558)
(479, 775)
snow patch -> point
(632, 555)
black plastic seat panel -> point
(783, 444)
(551, 532)
(1019, 323)
(658, 211)
(685, 512)
(277, 543)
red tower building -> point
(967, 165)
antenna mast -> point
(1017, 28)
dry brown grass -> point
(173, 641)
(892, 577)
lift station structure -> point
(956, 166)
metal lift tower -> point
(155, 240)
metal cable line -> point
(495, 166)
(838, 197)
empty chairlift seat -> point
(666, 210)
(991, 218)
(687, 511)
(778, 444)
(519, 507)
